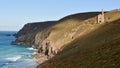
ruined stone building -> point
(101, 18)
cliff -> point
(26, 36)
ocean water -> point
(13, 56)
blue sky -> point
(15, 13)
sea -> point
(14, 56)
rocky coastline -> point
(26, 36)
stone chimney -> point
(103, 16)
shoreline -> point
(39, 58)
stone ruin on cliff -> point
(101, 18)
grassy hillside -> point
(66, 28)
(71, 27)
(97, 47)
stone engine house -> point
(101, 18)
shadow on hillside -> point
(80, 16)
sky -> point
(15, 13)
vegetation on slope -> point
(100, 48)
(66, 28)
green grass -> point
(106, 56)
(99, 49)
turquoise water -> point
(13, 56)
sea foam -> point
(13, 59)
(30, 48)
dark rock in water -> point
(14, 34)
(27, 34)
(8, 34)
(15, 43)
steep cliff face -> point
(26, 36)
(83, 43)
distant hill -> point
(26, 36)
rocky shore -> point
(39, 58)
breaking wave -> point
(13, 59)
(30, 48)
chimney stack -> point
(103, 18)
